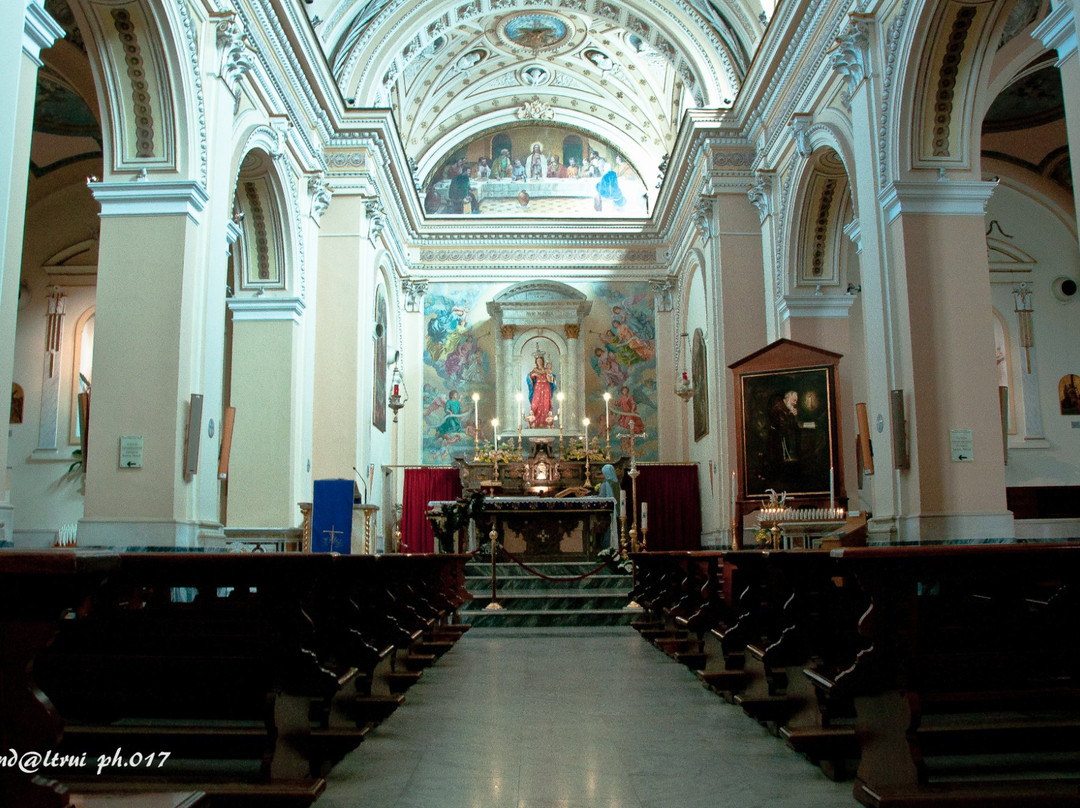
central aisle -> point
(571, 718)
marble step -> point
(549, 600)
(523, 580)
(506, 618)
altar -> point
(546, 528)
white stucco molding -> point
(266, 308)
(40, 31)
(1058, 30)
(937, 198)
(151, 198)
(792, 307)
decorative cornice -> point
(792, 307)
(149, 198)
(266, 308)
(936, 198)
(376, 216)
(1058, 30)
(40, 31)
(853, 230)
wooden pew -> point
(972, 664)
(38, 590)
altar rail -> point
(277, 663)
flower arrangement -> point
(575, 450)
(489, 455)
(448, 519)
(615, 560)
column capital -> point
(851, 57)
(151, 198)
(1058, 30)
(40, 31)
(937, 198)
(414, 290)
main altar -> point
(543, 503)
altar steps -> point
(529, 600)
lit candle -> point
(559, 397)
(832, 491)
(585, 422)
(622, 503)
(734, 493)
(607, 411)
(644, 515)
(495, 429)
(476, 411)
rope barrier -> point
(557, 578)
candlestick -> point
(607, 425)
(476, 424)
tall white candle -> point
(644, 515)
(832, 491)
(495, 429)
(622, 503)
(734, 493)
(607, 412)
(585, 423)
(519, 398)
(560, 397)
(476, 411)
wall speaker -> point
(194, 433)
(864, 439)
(226, 442)
(901, 457)
(1064, 289)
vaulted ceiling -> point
(621, 71)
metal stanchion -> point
(493, 534)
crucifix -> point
(332, 533)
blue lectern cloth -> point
(331, 516)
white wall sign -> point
(131, 451)
(960, 444)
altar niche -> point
(538, 354)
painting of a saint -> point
(1069, 393)
(701, 386)
(541, 392)
(451, 416)
(627, 411)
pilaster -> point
(151, 293)
(937, 234)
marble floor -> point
(571, 718)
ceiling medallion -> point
(535, 31)
(535, 110)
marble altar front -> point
(546, 528)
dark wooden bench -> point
(968, 692)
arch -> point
(265, 255)
(937, 105)
(815, 226)
(144, 58)
(81, 370)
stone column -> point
(148, 343)
(1059, 31)
(25, 30)
(938, 235)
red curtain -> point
(421, 487)
(674, 505)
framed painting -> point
(378, 382)
(701, 386)
(788, 431)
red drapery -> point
(674, 505)
(422, 486)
